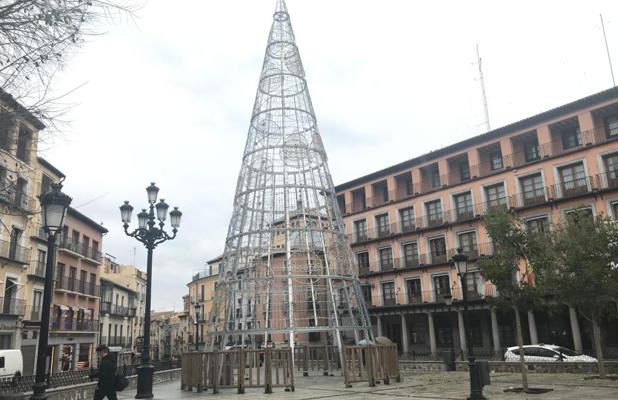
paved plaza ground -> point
(415, 385)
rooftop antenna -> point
(478, 57)
(611, 69)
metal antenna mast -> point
(478, 57)
(609, 58)
(288, 274)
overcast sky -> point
(169, 98)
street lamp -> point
(197, 306)
(151, 236)
(460, 261)
(54, 207)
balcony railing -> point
(572, 188)
(114, 340)
(607, 180)
(37, 268)
(12, 306)
(32, 313)
(421, 260)
(73, 325)
(113, 309)
(78, 286)
(14, 252)
(78, 247)
(9, 194)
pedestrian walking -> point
(106, 373)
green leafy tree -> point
(577, 267)
(510, 269)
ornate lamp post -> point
(150, 235)
(460, 261)
(198, 307)
(54, 207)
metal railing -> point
(32, 313)
(12, 306)
(74, 325)
(37, 268)
(89, 288)
(79, 248)
(607, 180)
(572, 188)
(426, 259)
(447, 295)
(113, 309)
(14, 252)
(10, 194)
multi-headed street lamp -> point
(460, 261)
(54, 206)
(151, 236)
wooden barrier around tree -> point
(238, 368)
(324, 358)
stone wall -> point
(85, 391)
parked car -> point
(546, 353)
(11, 363)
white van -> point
(11, 363)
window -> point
(46, 182)
(464, 206)
(571, 137)
(435, 178)
(24, 142)
(467, 242)
(611, 170)
(586, 212)
(386, 259)
(438, 250)
(360, 230)
(474, 285)
(531, 150)
(37, 297)
(496, 195)
(434, 212)
(538, 225)
(341, 203)
(15, 251)
(533, 191)
(496, 160)
(362, 259)
(59, 274)
(406, 216)
(72, 275)
(413, 287)
(85, 245)
(615, 209)
(384, 228)
(74, 246)
(388, 294)
(410, 255)
(93, 282)
(40, 263)
(442, 287)
(83, 276)
(464, 170)
(573, 179)
(611, 125)
(404, 185)
(380, 193)
(7, 122)
(95, 250)
(367, 294)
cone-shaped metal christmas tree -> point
(288, 275)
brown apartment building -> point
(405, 222)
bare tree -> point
(37, 36)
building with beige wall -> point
(19, 132)
(117, 313)
(406, 221)
(202, 291)
(134, 280)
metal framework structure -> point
(288, 273)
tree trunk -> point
(520, 344)
(598, 349)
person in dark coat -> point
(106, 373)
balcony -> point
(607, 180)
(529, 199)
(80, 248)
(572, 188)
(77, 286)
(11, 195)
(37, 268)
(12, 306)
(115, 341)
(73, 325)
(116, 310)
(32, 313)
(14, 252)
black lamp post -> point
(54, 207)
(151, 236)
(460, 260)
(197, 306)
